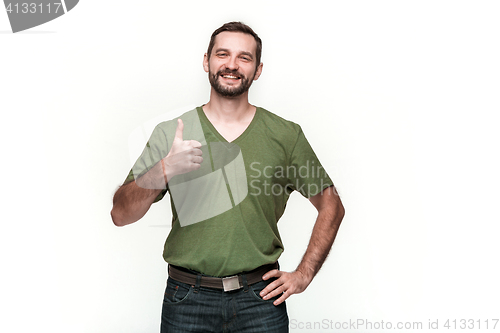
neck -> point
(228, 109)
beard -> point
(229, 91)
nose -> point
(232, 63)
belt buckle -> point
(231, 283)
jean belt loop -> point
(245, 282)
(198, 282)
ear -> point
(258, 71)
(205, 62)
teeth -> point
(230, 76)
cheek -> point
(211, 70)
(252, 74)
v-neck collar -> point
(212, 128)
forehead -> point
(235, 41)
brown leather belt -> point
(226, 283)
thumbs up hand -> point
(184, 155)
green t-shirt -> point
(225, 214)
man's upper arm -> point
(155, 149)
(328, 199)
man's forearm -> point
(323, 234)
(132, 200)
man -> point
(229, 168)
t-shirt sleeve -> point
(156, 148)
(306, 174)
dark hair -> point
(237, 27)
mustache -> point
(233, 72)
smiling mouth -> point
(230, 76)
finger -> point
(179, 130)
(197, 159)
(270, 274)
(195, 144)
(279, 289)
(197, 152)
(280, 300)
(195, 166)
(270, 288)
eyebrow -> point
(249, 54)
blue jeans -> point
(188, 308)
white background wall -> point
(398, 98)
